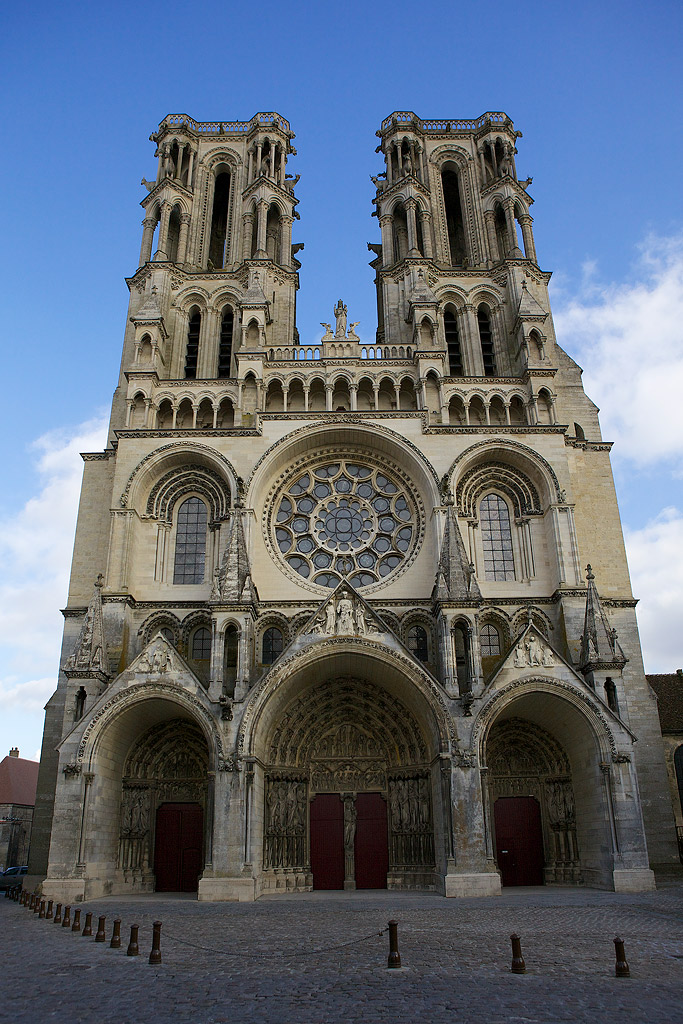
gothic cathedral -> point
(353, 614)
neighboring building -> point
(18, 780)
(340, 633)
(669, 689)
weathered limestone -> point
(340, 589)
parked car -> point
(12, 877)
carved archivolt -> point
(186, 480)
(345, 718)
(172, 452)
(171, 750)
(502, 477)
(515, 448)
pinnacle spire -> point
(233, 582)
(455, 579)
(599, 643)
(90, 654)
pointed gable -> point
(599, 644)
(90, 655)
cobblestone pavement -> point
(318, 958)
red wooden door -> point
(519, 840)
(371, 846)
(327, 841)
(178, 848)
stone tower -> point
(328, 623)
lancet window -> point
(496, 537)
(190, 546)
(486, 340)
(192, 350)
(271, 645)
(450, 324)
(218, 245)
(225, 343)
(454, 219)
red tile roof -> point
(18, 781)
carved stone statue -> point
(349, 823)
(360, 619)
(290, 182)
(340, 311)
(328, 335)
(535, 651)
(351, 334)
(345, 614)
(331, 619)
(520, 656)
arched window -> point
(486, 340)
(463, 659)
(400, 232)
(271, 647)
(190, 545)
(274, 233)
(201, 645)
(80, 704)
(230, 650)
(168, 634)
(173, 236)
(192, 351)
(225, 343)
(453, 344)
(417, 643)
(454, 221)
(496, 538)
(219, 220)
(490, 641)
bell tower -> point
(217, 274)
(454, 217)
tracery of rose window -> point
(344, 520)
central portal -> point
(347, 793)
(349, 841)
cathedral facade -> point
(329, 621)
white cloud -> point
(630, 339)
(655, 555)
(35, 552)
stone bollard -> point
(76, 926)
(58, 914)
(66, 920)
(101, 934)
(49, 915)
(32, 902)
(36, 905)
(41, 912)
(87, 927)
(394, 958)
(133, 944)
(116, 935)
(518, 966)
(155, 955)
(621, 969)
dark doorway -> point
(178, 847)
(372, 842)
(519, 840)
(327, 841)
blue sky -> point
(595, 89)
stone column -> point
(163, 229)
(526, 221)
(182, 240)
(286, 242)
(375, 392)
(410, 205)
(261, 253)
(397, 392)
(148, 225)
(190, 168)
(353, 391)
(490, 219)
(247, 230)
(426, 221)
(509, 208)
(385, 223)
(328, 397)
(250, 166)
(471, 330)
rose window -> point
(344, 520)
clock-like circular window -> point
(344, 518)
